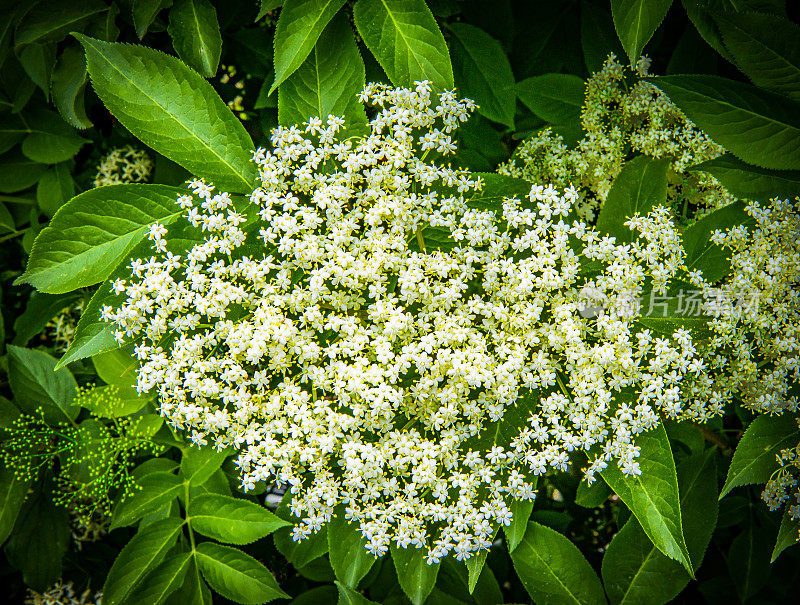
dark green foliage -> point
(200, 83)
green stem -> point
(17, 200)
(420, 240)
(11, 235)
(189, 519)
(562, 386)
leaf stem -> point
(17, 200)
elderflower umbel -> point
(755, 348)
(124, 165)
(362, 327)
(623, 114)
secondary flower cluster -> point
(63, 593)
(370, 332)
(755, 347)
(124, 165)
(783, 482)
(622, 114)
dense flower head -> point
(124, 165)
(362, 330)
(622, 114)
(755, 348)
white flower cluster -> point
(755, 348)
(369, 335)
(623, 114)
(124, 165)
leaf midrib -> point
(555, 575)
(205, 57)
(400, 32)
(192, 134)
(764, 44)
(730, 105)
(650, 553)
(281, 77)
(64, 24)
(681, 548)
(58, 265)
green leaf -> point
(93, 335)
(193, 591)
(766, 48)
(754, 458)
(266, 6)
(748, 561)
(12, 130)
(482, 72)
(40, 540)
(35, 384)
(598, 36)
(199, 463)
(145, 426)
(751, 182)
(349, 559)
(195, 34)
(93, 232)
(475, 564)
(635, 571)
(41, 308)
(6, 220)
(700, 14)
(38, 61)
(236, 575)
(406, 41)
(51, 140)
(138, 558)
(18, 172)
(788, 535)
(348, 596)
(231, 520)
(757, 126)
(416, 577)
(553, 570)
(118, 368)
(299, 26)
(163, 580)
(157, 489)
(55, 188)
(503, 431)
(701, 252)
(174, 110)
(636, 21)
(556, 99)
(594, 495)
(53, 19)
(144, 12)
(299, 553)
(521, 511)
(639, 187)
(154, 465)
(13, 492)
(653, 496)
(328, 81)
